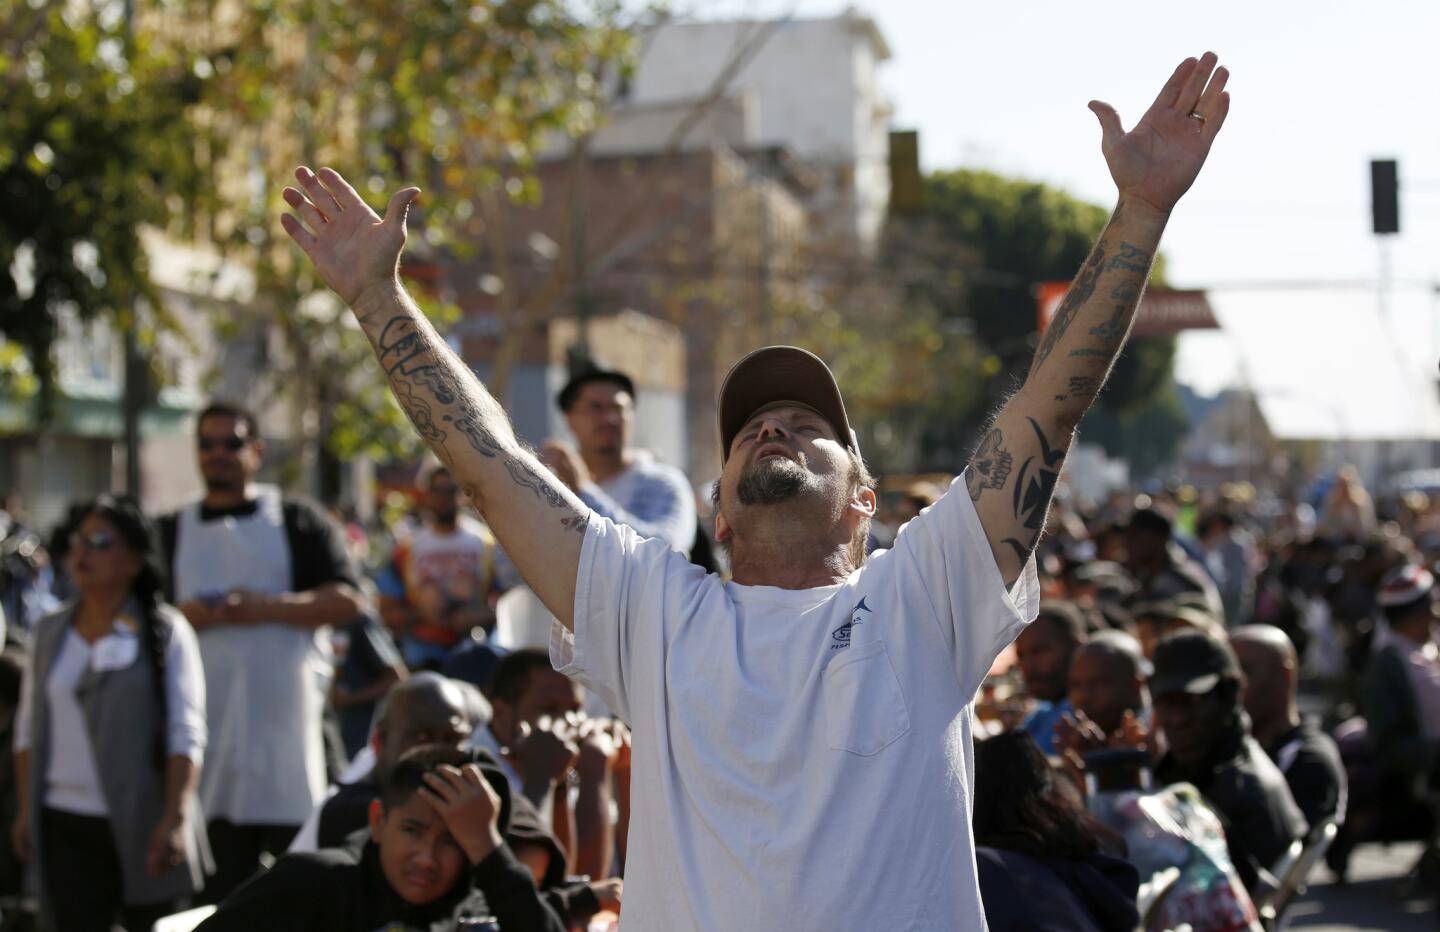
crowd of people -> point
(268, 738)
(789, 716)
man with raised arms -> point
(802, 753)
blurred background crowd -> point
(1223, 690)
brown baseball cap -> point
(775, 375)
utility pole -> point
(580, 219)
(767, 326)
(133, 370)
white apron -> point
(265, 683)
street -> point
(1373, 899)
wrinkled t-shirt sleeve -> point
(621, 590)
(944, 557)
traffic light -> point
(1384, 196)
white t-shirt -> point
(802, 758)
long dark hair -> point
(1020, 806)
(140, 535)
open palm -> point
(1157, 161)
(351, 246)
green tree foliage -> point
(194, 126)
(93, 140)
(988, 241)
(458, 96)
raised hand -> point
(1157, 161)
(351, 247)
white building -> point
(807, 86)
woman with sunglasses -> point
(109, 737)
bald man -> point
(1305, 754)
(427, 708)
(1107, 679)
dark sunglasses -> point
(100, 540)
(233, 444)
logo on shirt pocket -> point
(864, 707)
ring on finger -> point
(1198, 116)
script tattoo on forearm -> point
(1034, 487)
(1110, 333)
(989, 467)
(1085, 386)
(1080, 292)
(412, 357)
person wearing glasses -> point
(260, 576)
(109, 738)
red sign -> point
(1162, 310)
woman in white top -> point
(109, 738)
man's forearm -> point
(1090, 328)
(538, 522)
(450, 408)
(1012, 476)
(331, 604)
(181, 778)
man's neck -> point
(1267, 732)
(444, 528)
(222, 499)
(605, 465)
(788, 555)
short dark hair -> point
(1119, 646)
(408, 775)
(1020, 806)
(571, 392)
(231, 409)
(512, 673)
(1066, 618)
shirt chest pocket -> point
(864, 707)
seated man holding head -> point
(435, 856)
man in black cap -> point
(1197, 687)
(775, 715)
(615, 480)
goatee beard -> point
(771, 481)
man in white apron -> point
(258, 576)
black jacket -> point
(1393, 719)
(344, 890)
(346, 813)
(1251, 796)
(1027, 894)
(1310, 760)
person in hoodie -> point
(435, 857)
(575, 899)
(1198, 687)
(1045, 864)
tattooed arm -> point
(538, 522)
(1012, 475)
